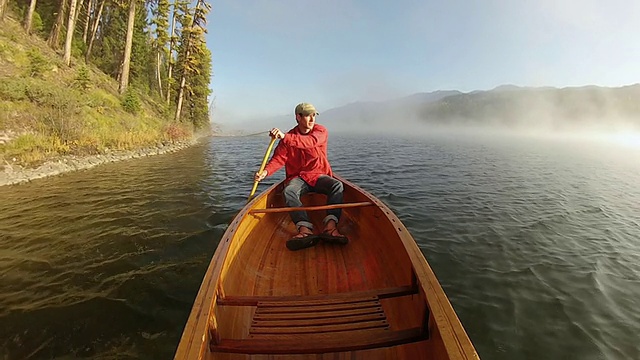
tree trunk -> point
(170, 59)
(85, 31)
(54, 36)
(70, 27)
(27, 21)
(159, 74)
(183, 82)
(96, 22)
(126, 63)
(3, 8)
(78, 7)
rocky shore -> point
(16, 174)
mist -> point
(587, 113)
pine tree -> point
(192, 39)
(161, 22)
(197, 107)
(173, 42)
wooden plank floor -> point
(269, 269)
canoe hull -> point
(376, 297)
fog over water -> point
(610, 115)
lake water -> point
(535, 240)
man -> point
(303, 152)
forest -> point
(91, 76)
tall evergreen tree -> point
(161, 21)
(173, 41)
(196, 99)
(192, 39)
(142, 70)
(109, 47)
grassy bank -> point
(48, 110)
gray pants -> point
(327, 185)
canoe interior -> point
(261, 288)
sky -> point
(269, 55)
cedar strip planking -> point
(319, 343)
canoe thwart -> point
(311, 208)
(384, 293)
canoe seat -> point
(318, 326)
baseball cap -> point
(305, 109)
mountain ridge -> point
(506, 105)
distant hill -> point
(566, 108)
(507, 106)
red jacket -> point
(303, 155)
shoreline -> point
(16, 174)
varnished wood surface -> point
(252, 268)
(310, 208)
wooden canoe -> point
(375, 298)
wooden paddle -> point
(264, 163)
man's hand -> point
(276, 133)
(260, 175)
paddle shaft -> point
(264, 163)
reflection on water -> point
(535, 242)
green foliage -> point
(38, 65)
(102, 100)
(37, 26)
(82, 80)
(131, 102)
(39, 92)
(78, 47)
(196, 104)
(13, 89)
(89, 116)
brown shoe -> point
(333, 236)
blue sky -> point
(268, 55)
